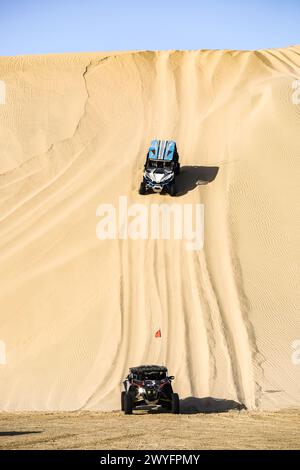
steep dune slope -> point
(76, 311)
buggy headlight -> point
(167, 177)
(141, 390)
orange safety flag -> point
(158, 334)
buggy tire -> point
(175, 404)
(142, 189)
(168, 406)
(128, 404)
(122, 400)
(177, 171)
(172, 189)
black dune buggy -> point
(149, 386)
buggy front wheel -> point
(175, 404)
(128, 404)
(172, 189)
(142, 189)
(122, 400)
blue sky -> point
(43, 26)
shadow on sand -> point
(192, 405)
(17, 433)
(192, 176)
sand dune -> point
(75, 311)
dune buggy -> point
(148, 387)
(161, 167)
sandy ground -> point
(76, 311)
(98, 430)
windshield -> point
(155, 375)
(152, 164)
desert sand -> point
(97, 430)
(76, 311)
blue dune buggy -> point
(161, 167)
